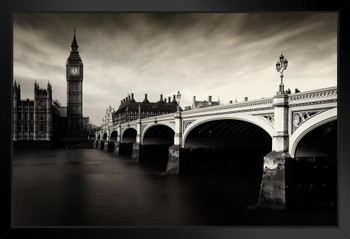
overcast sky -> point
(227, 55)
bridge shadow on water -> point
(311, 177)
(228, 180)
(223, 193)
(155, 156)
(240, 172)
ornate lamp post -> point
(178, 97)
(139, 112)
(119, 132)
(138, 135)
(127, 114)
(281, 66)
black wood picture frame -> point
(342, 8)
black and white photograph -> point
(174, 119)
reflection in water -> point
(91, 187)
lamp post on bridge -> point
(137, 147)
(273, 190)
(117, 145)
(178, 97)
(127, 115)
(281, 66)
(173, 165)
(138, 136)
(140, 112)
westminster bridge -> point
(268, 136)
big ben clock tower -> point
(74, 74)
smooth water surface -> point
(89, 187)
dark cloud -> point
(200, 54)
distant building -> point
(59, 110)
(203, 104)
(59, 120)
(87, 126)
(86, 122)
(32, 119)
(108, 118)
(130, 109)
(44, 119)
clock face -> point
(74, 70)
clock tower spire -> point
(74, 75)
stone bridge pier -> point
(95, 144)
(137, 147)
(273, 185)
(100, 144)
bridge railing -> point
(239, 105)
(159, 118)
(330, 92)
(252, 105)
(267, 102)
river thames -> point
(89, 187)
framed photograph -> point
(207, 119)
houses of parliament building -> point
(43, 119)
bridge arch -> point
(125, 129)
(232, 146)
(169, 125)
(305, 128)
(104, 136)
(128, 135)
(246, 118)
(157, 138)
(114, 135)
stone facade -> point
(32, 119)
(202, 104)
(130, 109)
